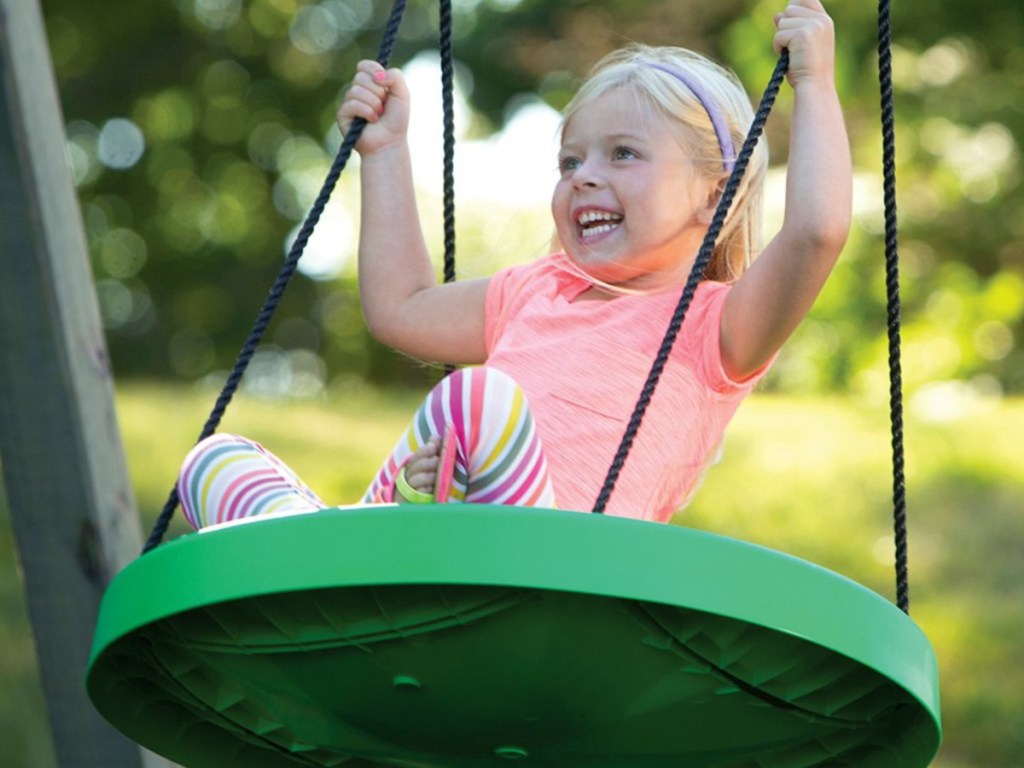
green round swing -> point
(464, 636)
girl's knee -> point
(221, 441)
(487, 387)
(226, 477)
(225, 439)
(493, 376)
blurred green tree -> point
(199, 132)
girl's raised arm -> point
(403, 303)
(775, 294)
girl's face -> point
(629, 207)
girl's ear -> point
(707, 212)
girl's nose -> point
(587, 174)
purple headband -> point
(717, 118)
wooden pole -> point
(72, 508)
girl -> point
(564, 344)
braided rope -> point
(447, 102)
(281, 282)
(448, 107)
(892, 287)
(696, 274)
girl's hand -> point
(421, 469)
(806, 30)
(381, 98)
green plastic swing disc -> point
(464, 636)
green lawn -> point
(808, 476)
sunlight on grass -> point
(807, 476)
(811, 477)
(796, 473)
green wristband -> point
(405, 493)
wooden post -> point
(72, 507)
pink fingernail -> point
(380, 76)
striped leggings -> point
(498, 458)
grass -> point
(807, 476)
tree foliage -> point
(199, 131)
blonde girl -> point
(559, 348)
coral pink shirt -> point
(582, 365)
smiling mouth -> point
(592, 224)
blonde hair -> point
(639, 67)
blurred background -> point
(200, 131)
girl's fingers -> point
(797, 13)
(351, 110)
(370, 84)
(372, 75)
(378, 96)
(368, 67)
(369, 96)
(424, 473)
(376, 86)
(810, 5)
(366, 86)
(363, 101)
(424, 458)
(421, 471)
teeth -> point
(589, 217)
(599, 230)
(593, 223)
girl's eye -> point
(623, 153)
(566, 164)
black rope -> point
(696, 274)
(892, 287)
(448, 106)
(284, 276)
(447, 102)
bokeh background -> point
(199, 132)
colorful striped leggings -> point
(498, 458)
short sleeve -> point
(509, 291)
(502, 285)
(710, 308)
